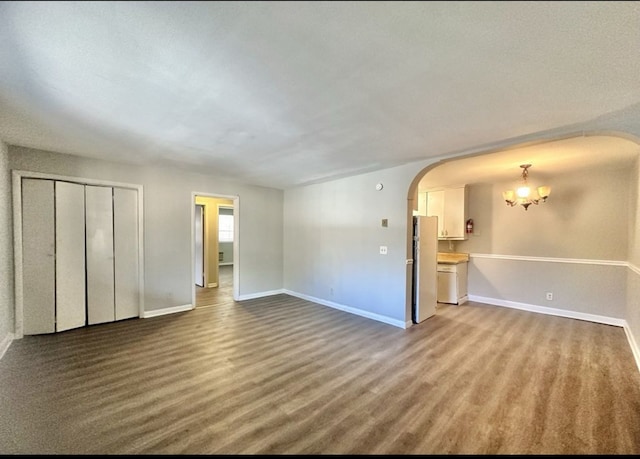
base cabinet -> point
(452, 283)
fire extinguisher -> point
(469, 226)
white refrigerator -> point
(425, 267)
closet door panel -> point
(125, 227)
(38, 256)
(99, 240)
(70, 257)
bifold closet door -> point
(125, 240)
(99, 240)
(70, 256)
(38, 256)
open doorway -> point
(215, 241)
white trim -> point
(561, 312)
(212, 285)
(568, 314)
(82, 180)
(165, 311)
(632, 343)
(358, 312)
(17, 255)
(5, 343)
(550, 260)
(141, 250)
(226, 264)
(550, 311)
(236, 240)
(252, 296)
(17, 176)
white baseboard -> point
(252, 296)
(5, 343)
(212, 285)
(225, 264)
(358, 312)
(550, 311)
(634, 346)
(165, 311)
(568, 314)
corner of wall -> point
(6, 252)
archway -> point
(552, 160)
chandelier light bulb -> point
(523, 192)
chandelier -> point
(524, 195)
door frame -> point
(17, 176)
(236, 241)
(202, 235)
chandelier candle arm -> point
(522, 195)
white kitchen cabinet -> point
(450, 206)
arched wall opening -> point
(552, 158)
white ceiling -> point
(287, 93)
(548, 159)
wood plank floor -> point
(283, 375)
(217, 295)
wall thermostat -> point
(379, 186)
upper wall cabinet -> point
(450, 206)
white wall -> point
(632, 312)
(581, 233)
(333, 233)
(227, 250)
(586, 216)
(6, 253)
(167, 222)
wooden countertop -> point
(452, 258)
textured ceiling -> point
(287, 93)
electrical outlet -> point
(549, 296)
(383, 250)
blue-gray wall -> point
(168, 204)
